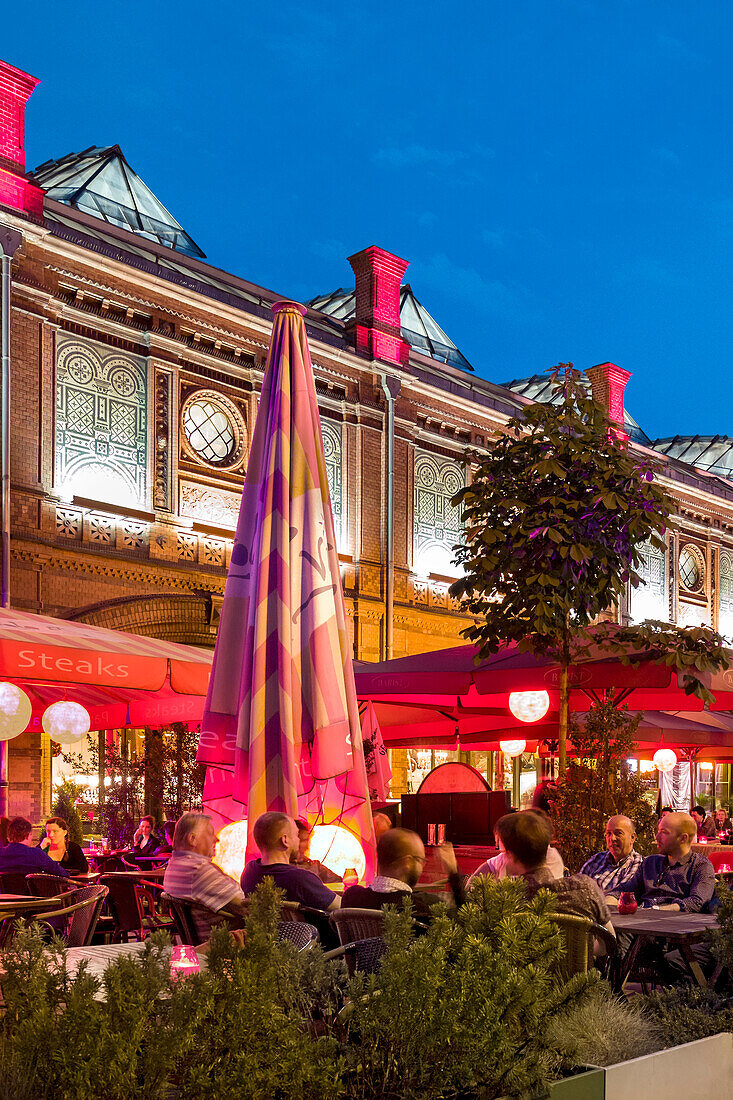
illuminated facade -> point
(136, 368)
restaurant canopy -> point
(121, 679)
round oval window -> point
(691, 569)
(209, 430)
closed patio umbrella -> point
(281, 727)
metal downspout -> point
(9, 242)
(391, 387)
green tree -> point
(556, 514)
(64, 805)
(598, 784)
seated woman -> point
(62, 850)
(144, 841)
(166, 845)
(302, 858)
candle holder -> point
(184, 962)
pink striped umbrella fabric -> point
(281, 728)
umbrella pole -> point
(563, 724)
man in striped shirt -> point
(191, 875)
(620, 860)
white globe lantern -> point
(231, 848)
(66, 721)
(338, 849)
(15, 711)
(512, 748)
(665, 760)
(529, 706)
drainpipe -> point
(391, 387)
(9, 242)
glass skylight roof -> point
(100, 182)
(707, 452)
(418, 328)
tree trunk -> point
(563, 724)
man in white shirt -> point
(497, 865)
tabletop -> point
(98, 957)
(655, 922)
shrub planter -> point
(702, 1068)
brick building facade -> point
(135, 370)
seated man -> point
(620, 859)
(276, 836)
(677, 878)
(21, 857)
(496, 866)
(524, 838)
(705, 824)
(400, 861)
(190, 874)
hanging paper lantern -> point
(665, 760)
(512, 748)
(338, 849)
(231, 846)
(65, 721)
(529, 706)
(15, 711)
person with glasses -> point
(400, 862)
(676, 879)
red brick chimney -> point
(16, 190)
(377, 317)
(607, 383)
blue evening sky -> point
(559, 173)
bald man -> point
(677, 879)
(400, 862)
(619, 860)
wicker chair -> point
(302, 935)
(580, 935)
(353, 925)
(81, 909)
(48, 886)
(362, 955)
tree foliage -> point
(64, 805)
(598, 784)
(556, 514)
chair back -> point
(357, 924)
(81, 909)
(48, 886)
(182, 913)
(297, 932)
(580, 934)
(13, 882)
(108, 864)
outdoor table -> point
(85, 876)
(98, 958)
(681, 929)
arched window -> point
(333, 453)
(651, 599)
(101, 423)
(437, 526)
(725, 606)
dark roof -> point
(418, 328)
(99, 181)
(538, 387)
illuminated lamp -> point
(231, 846)
(665, 760)
(15, 711)
(529, 706)
(338, 849)
(65, 721)
(512, 748)
(705, 766)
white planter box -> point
(702, 1068)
